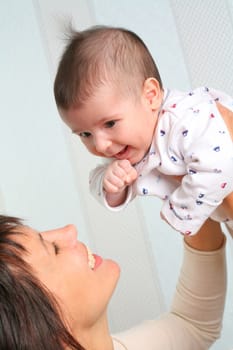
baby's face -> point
(113, 126)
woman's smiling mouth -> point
(91, 259)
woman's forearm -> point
(200, 295)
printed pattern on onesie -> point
(191, 140)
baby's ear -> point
(152, 93)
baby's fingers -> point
(109, 187)
(113, 183)
(119, 175)
(131, 176)
(124, 165)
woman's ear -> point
(152, 93)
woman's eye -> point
(56, 248)
(85, 134)
(110, 124)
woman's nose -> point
(69, 233)
(66, 236)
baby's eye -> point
(110, 124)
(56, 248)
(85, 134)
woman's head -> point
(44, 286)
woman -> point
(54, 294)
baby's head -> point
(101, 55)
(103, 70)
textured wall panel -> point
(206, 37)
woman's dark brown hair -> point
(29, 315)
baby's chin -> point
(134, 161)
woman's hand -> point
(208, 238)
(227, 205)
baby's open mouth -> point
(122, 152)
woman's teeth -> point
(91, 259)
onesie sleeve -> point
(202, 143)
(195, 319)
(96, 188)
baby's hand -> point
(119, 174)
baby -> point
(166, 143)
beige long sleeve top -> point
(195, 319)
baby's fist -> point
(119, 174)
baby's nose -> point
(102, 144)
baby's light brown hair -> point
(102, 55)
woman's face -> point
(63, 265)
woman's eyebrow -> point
(43, 242)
